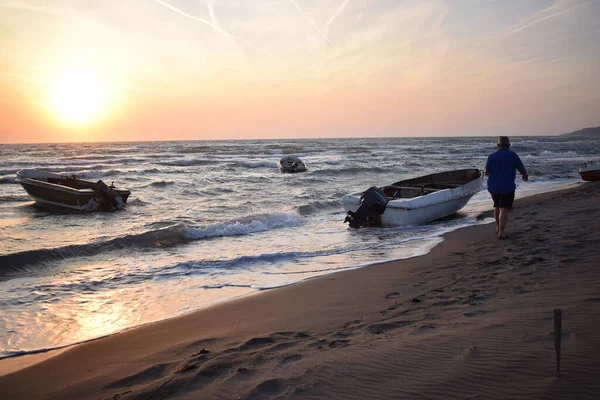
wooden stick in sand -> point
(557, 337)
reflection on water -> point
(95, 296)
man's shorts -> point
(504, 200)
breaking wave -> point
(170, 236)
(245, 225)
(164, 237)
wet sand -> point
(473, 319)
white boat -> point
(48, 188)
(413, 201)
(291, 164)
(590, 171)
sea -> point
(208, 221)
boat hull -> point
(55, 197)
(421, 209)
(590, 176)
(82, 197)
(291, 165)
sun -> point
(79, 95)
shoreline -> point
(480, 212)
(290, 307)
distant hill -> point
(587, 132)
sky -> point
(136, 70)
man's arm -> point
(522, 169)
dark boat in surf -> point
(291, 164)
(590, 171)
(51, 189)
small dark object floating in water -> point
(48, 188)
(291, 164)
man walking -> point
(500, 168)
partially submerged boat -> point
(291, 164)
(590, 171)
(48, 188)
(413, 201)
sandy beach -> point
(473, 319)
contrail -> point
(27, 7)
(215, 27)
(334, 16)
(213, 17)
(211, 11)
(326, 31)
(312, 22)
(552, 41)
(543, 19)
(181, 12)
(517, 30)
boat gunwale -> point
(24, 180)
(55, 186)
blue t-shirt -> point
(502, 166)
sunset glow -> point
(79, 96)
(175, 69)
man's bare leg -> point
(503, 220)
(497, 218)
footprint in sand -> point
(271, 387)
(334, 344)
(290, 359)
(378, 329)
(470, 351)
(351, 324)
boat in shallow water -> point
(590, 171)
(48, 188)
(291, 164)
(413, 201)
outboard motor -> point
(373, 202)
(110, 199)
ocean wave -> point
(313, 208)
(8, 179)
(350, 171)
(204, 266)
(195, 149)
(257, 164)
(166, 237)
(137, 202)
(186, 163)
(161, 184)
(246, 225)
(98, 174)
(548, 153)
(9, 198)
